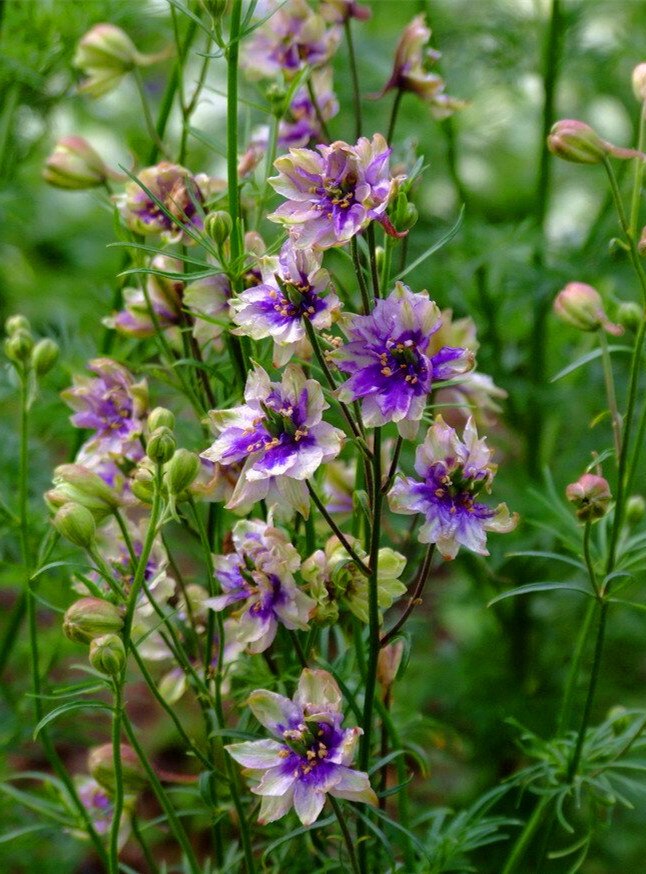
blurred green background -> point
(528, 229)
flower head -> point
(257, 579)
(280, 436)
(389, 359)
(454, 472)
(310, 756)
(334, 193)
(590, 495)
(292, 290)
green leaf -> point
(68, 708)
(555, 556)
(19, 832)
(433, 248)
(304, 829)
(586, 359)
(540, 587)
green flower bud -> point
(74, 166)
(181, 470)
(18, 346)
(160, 417)
(591, 496)
(635, 509)
(276, 95)
(108, 654)
(100, 763)
(77, 524)
(629, 315)
(17, 323)
(76, 484)
(161, 445)
(142, 485)
(218, 226)
(90, 618)
(44, 356)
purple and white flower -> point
(292, 290)
(257, 580)
(311, 755)
(390, 363)
(334, 193)
(113, 405)
(453, 474)
(280, 436)
(292, 38)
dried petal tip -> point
(580, 306)
(639, 82)
(590, 495)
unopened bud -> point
(160, 417)
(590, 495)
(635, 509)
(218, 226)
(90, 618)
(629, 315)
(77, 524)
(639, 82)
(161, 445)
(18, 346)
(100, 764)
(44, 356)
(276, 95)
(78, 484)
(575, 141)
(388, 663)
(580, 306)
(108, 654)
(74, 165)
(181, 470)
(17, 323)
(142, 485)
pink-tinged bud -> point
(74, 165)
(577, 142)
(580, 306)
(388, 663)
(590, 495)
(639, 82)
(90, 618)
(100, 763)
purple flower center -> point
(308, 748)
(402, 360)
(455, 491)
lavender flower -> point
(258, 580)
(292, 38)
(312, 753)
(335, 194)
(112, 404)
(291, 291)
(165, 296)
(280, 436)
(390, 363)
(98, 803)
(454, 472)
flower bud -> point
(142, 485)
(181, 470)
(160, 417)
(635, 509)
(90, 618)
(218, 226)
(18, 346)
(108, 654)
(161, 445)
(629, 315)
(74, 165)
(77, 524)
(590, 495)
(74, 483)
(44, 356)
(580, 306)
(577, 142)
(639, 82)
(17, 323)
(100, 763)
(388, 662)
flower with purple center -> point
(311, 755)
(389, 361)
(257, 580)
(334, 193)
(280, 436)
(453, 474)
(112, 404)
(292, 290)
(292, 38)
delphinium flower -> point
(390, 363)
(333, 194)
(98, 803)
(165, 296)
(410, 71)
(112, 405)
(292, 38)
(293, 289)
(280, 436)
(310, 756)
(182, 195)
(453, 474)
(335, 581)
(257, 580)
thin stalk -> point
(565, 712)
(639, 442)
(385, 267)
(347, 837)
(317, 111)
(415, 597)
(639, 173)
(588, 557)
(358, 269)
(269, 163)
(336, 530)
(118, 776)
(150, 124)
(143, 846)
(527, 835)
(232, 129)
(393, 116)
(356, 92)
(392, 470)
(174, 822)
(610, 393)
(373, 260)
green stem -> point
(347, 837)
(148, 856)
(269, 163)
(358, 269)
(392, 470)
(565, 712)
(639, 172)
(317, 110)
(373, 260)
(610, 393)
(232, 130)
(150, 124)
(414, 598)
(527, 835)
(356, 92)
(118, 777)
(385, 267)
(336, 530)
(393, 116)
